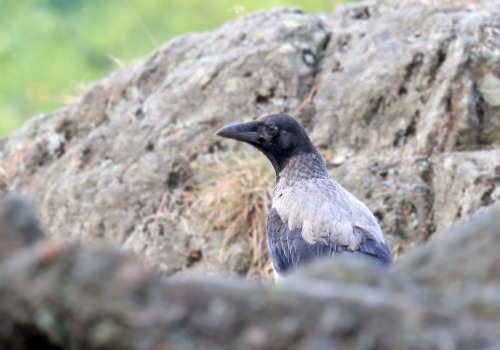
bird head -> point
(278, 136)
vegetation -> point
(50, 48)
(236, 200)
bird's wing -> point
(370, 246)
(288, 248)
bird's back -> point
(313, 216)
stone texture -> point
(400, 95)
(443, 295)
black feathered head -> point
(278, 136)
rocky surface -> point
(19, 225)
(440, 296)
(403, 100)
(401, 97)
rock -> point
(99, 168)
(400, 193)
(461, 265)
(403, 93)
(472, 186)
(406, 89)
(337, 160)
(404, 79)
(410, 196)
(19, 225)
(490, 90)
(61, 295)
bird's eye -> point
(273, 128)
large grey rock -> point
(99, 168)
(403, 99)
(403, 95)
(405, 78)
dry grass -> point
(236, 199)
(3, 179)
(79, 90)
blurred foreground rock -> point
(441, 296)
(19, 225)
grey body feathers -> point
(313, 216)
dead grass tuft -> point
(78, 91)
(3, 179)
(236, 199)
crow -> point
(312, 215)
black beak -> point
(246, 132)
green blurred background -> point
(51, 49)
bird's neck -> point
(303, 166)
